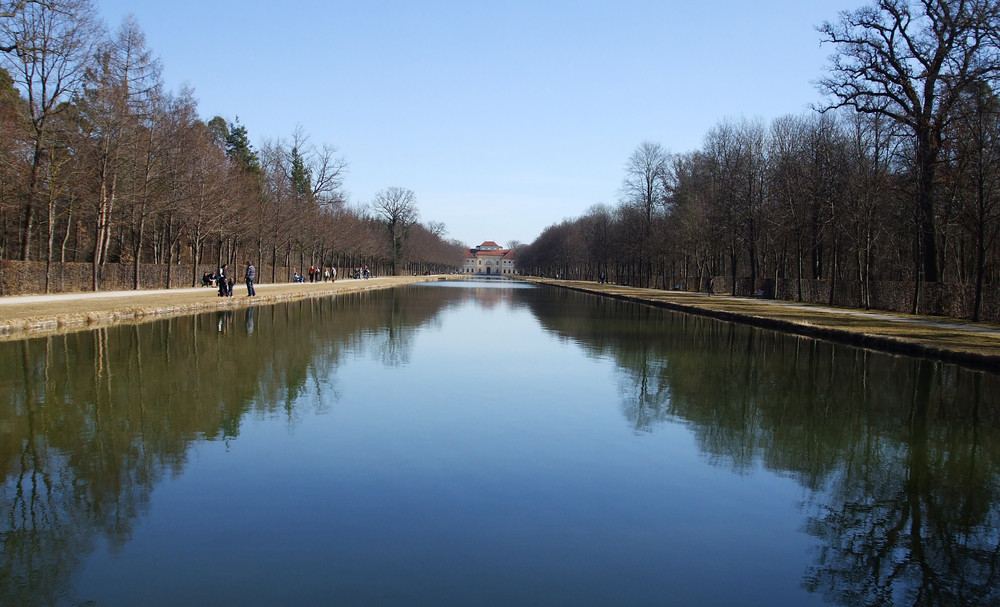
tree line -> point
(99, 163)
(895, 177)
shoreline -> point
(28, 316)
(972, 345)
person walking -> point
(250, 277)
(223, 280)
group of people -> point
(224, 281)
(317, 274)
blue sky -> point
(502, 117)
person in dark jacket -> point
(250, 277)
(223, 278)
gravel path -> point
(32, 315)
(56, 297)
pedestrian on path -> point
(250, 277)
(223, 280)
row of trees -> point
(897, 178)
(99, 163)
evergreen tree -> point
(238, 148)
(301, 176)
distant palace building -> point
(489, 259)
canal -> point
(489, 443)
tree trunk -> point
(926, 159)
(136, 251)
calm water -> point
(489, 444)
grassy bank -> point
(969, 344)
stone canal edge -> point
(974, 345)
(29, 316)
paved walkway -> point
(31, 315)
(13, 300)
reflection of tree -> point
(395, 340)
(645, 396)
(918, 537)
(52, 513)
(90, 421)
(902, 456)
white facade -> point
(490, 259)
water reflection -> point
(900, 455)
(93, 420)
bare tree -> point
(694, 203)
(597, 235)
(437, 228)
(871, 138)
(911, 61)
(397, 207)
(277, 215)
(55, 43)
(645, 188)
(117, 104)
(148, 176)
(727, 161)
(789, 153)
(13, 134)
(10, 10)
(976, 135)
(60, 173)
(645, 178)
(325, 167)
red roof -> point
(473, 253)
(492, 250)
